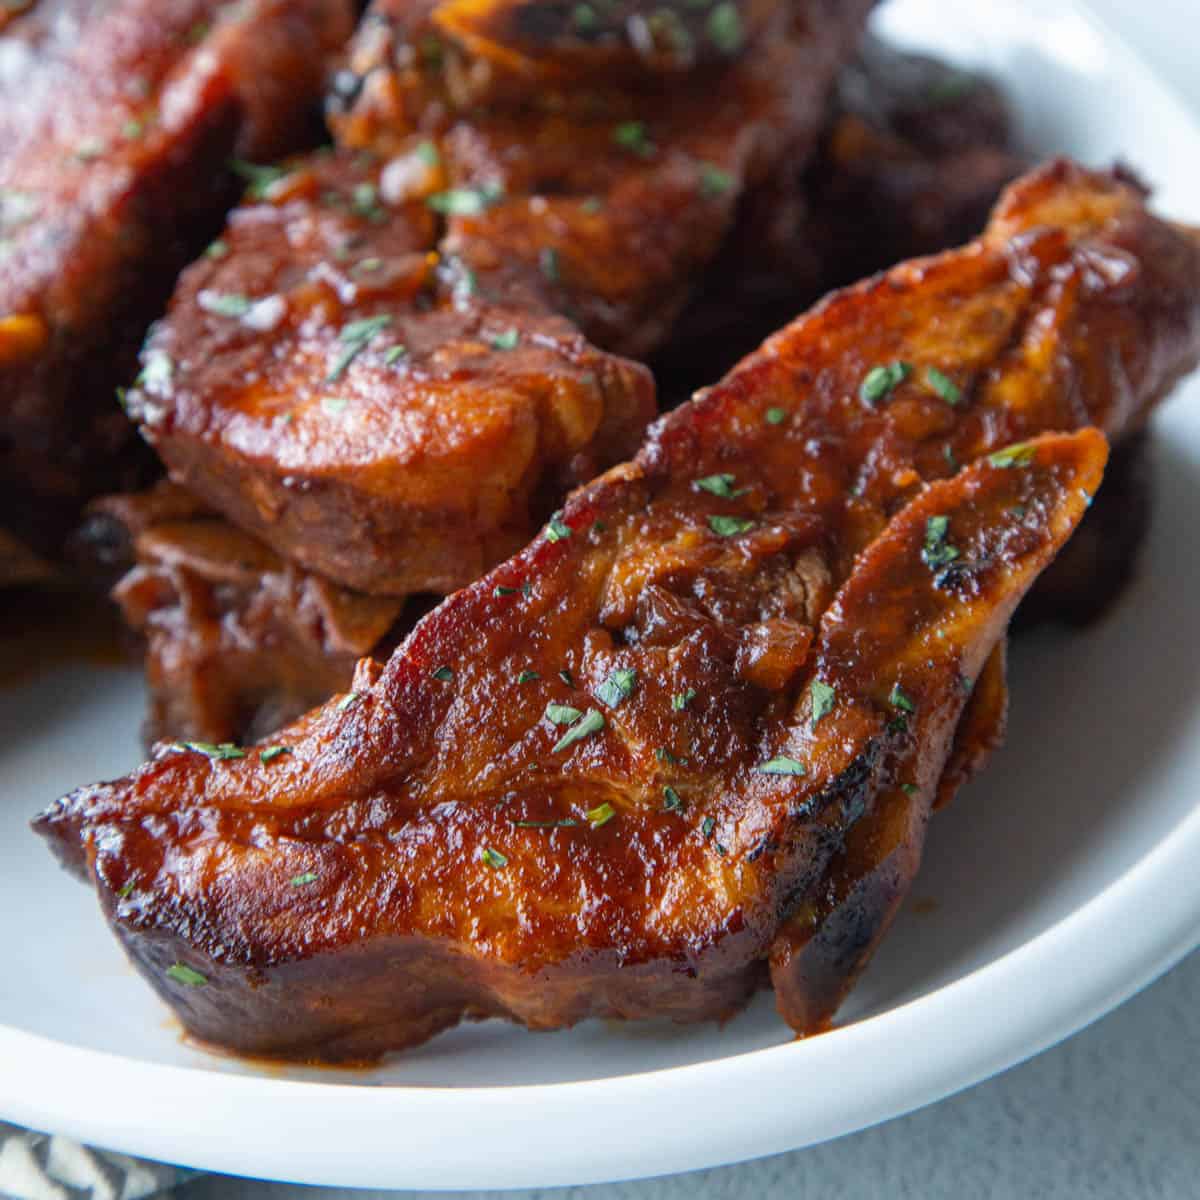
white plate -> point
(1061, 883)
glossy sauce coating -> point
(443, 843)
(335, 387)
(117, 121)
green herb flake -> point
(564, 823)
(125, 892)
(882, 381)
(591, 722)
(776, 416)
(301, 880)
(355, 336)
(225, 304)
(714, 181)
(348, 701)
(900, 699)
(936, 551)
(592, 205)
(442, 674)
(565, 676)
(493, 858)
(617, 687)
(506, 341)
(782, 766)
(632, 136)
(665, 756)
(334, 405)
(427, 152)
(719, 485)
(393, 354)
(681, 700)
(909, 789)
(364, 201)
(823, 700)
(260, 178)
(217, 250)
(948, 455)
(500, 590)
(724, 27)
(562, 714)
(218, 752)
(464, 202)
(528, 677)
(549, 264)
(707, 826)
(671, 800)
(584, 18)
(271, 753)
(730, 526)
(157, 372)
(556, 530)
(944, 386)
(133, 129)
(601, 815)
(181, 973)
(1020, 455)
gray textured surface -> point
(1112, 1114)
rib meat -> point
(116, 124)
(767, 625)
(336, 389)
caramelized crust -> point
(336, 389)
(606, 209)
(117, 121)
(765, 623)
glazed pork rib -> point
(688, 740)
(117, 122)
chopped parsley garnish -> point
(882, 381)
(528, 676)
(348, 701)
(427, 152)
(909, 789)
(776, 416)
(393, 353)
(217, 752)
(260, 177)
(782, 766)
(125, 892)
(301, 880)
(500, 590)
(271, 753)
(364, 200)
(714, 181)
(719, 485)
(823, 700)
(632, 136)
(158, 370)
(565, 823)
(724, 27)
(565, 676)
(185, 975)
(217, 249)
(900, 699)
(493, 858)
(562, 714)
(617, 687)
(937, 552)
(355, 337)
(707, 826)
(948, 455)
(665, 756)
(592, 205)
(591, 722)
(1020, 455)
(548, 261)
(944, 386)
(730, 526)
(442, 674)
(464, 202)
(225, 304)
(133, 128)
(681, 700)
(506, 341)
(601, 815)
(672, 801)
(584, 17)
(556, 531)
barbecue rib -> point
(689, 739)
(116, 124)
